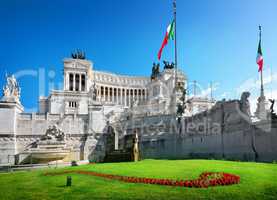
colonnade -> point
(121, 96)
(75, 82)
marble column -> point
(129, 98)
(114, 95)
(104, 93)
(117, 96)
(80, 82)
(67, 81)
(111, 94)
(64, 81)
(108, 94)
(125, 99)
(145, 94)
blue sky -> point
(217, 40)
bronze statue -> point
(272, 101)
(155, 71)
(78, 55)
(136, 148)
(167, 65)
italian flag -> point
(259, 59)
(169, 35)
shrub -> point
(74, 163)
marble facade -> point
(89, 103)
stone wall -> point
(19, 131)
(83, 132)
(30, 127)
(8, 114)
(223, 132)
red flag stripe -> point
(163, 45)
(260, 63)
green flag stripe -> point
(260, 48)
(171, 32)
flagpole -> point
(261, 108)
(271, 82)
(262, 84)
(175, 32)
(175, 51)
(211, 87)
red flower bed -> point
(205, 179)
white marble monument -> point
(81, 110)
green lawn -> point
(258, 181)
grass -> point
(258, 181)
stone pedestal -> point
(96, 124)
(8, 116)
(261, 112)
(97, 120)
(47, 151)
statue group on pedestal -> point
(11, 89)
(53, 134)
(156, 68)
(93, 94)
(167, 65)
(78, 55)
(155, 71)
(94, 91)
(272, 112)
(244, 104)
(272, 101)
